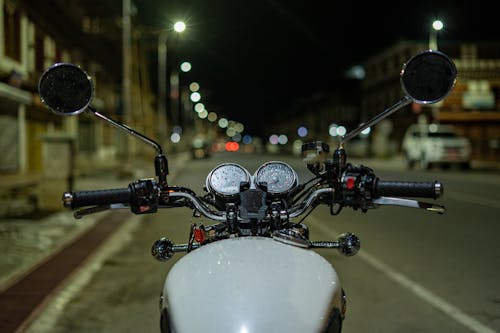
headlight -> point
(278, 177)
(225, 179)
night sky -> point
(259, 56)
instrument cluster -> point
(225, 179)
(275, 177)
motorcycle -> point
(255, 269)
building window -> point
(12, 30)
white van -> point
(425, 145)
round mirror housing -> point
(66, 89)
(428, 77)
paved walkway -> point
(26, 242)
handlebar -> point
(407, 189)
(128, 196)
(142, 196)
(98, 197)
(357, 188)
(361, 189)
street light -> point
(178, 98)
(162, 75)
(436, 26)
(179, 26)
(186, 66)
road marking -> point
(420, 291)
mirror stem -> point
(126, 129)
(161, 163)
(401, 103)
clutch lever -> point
(409, 203)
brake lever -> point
(409, 203)
(97, 209)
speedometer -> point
(225, 179)
(278, 177)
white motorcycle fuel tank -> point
(252, 284)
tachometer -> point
(279, 177)
(224, 180)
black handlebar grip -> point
(408, 189)
(97, 197)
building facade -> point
(473, 106)
(33, 36)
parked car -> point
(425, 145)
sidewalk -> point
(25, 242)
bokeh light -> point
(341, 130)
(198, 107)
(212, 116)
(282, 139)
(232, 146)
(332, 129)
(437, 25)
(186, 66)
(366, 132)
(247, 139)
(194, 86)
(302, 131)
(195, 97)
(175, 138)
(223, 122)
(203, 114)
(273, 139)
(237, 137)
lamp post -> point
(178, 94)
(436, 26)
(162, 77)
(176, 106)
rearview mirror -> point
(428, 77)
(66, 89)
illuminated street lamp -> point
(162, 74)
(179, 26)
(436, 26)
(186, 66)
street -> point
(417, 271)
(91, 90)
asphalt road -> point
(417, 271)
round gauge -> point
(224, 180)
(279, 177)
